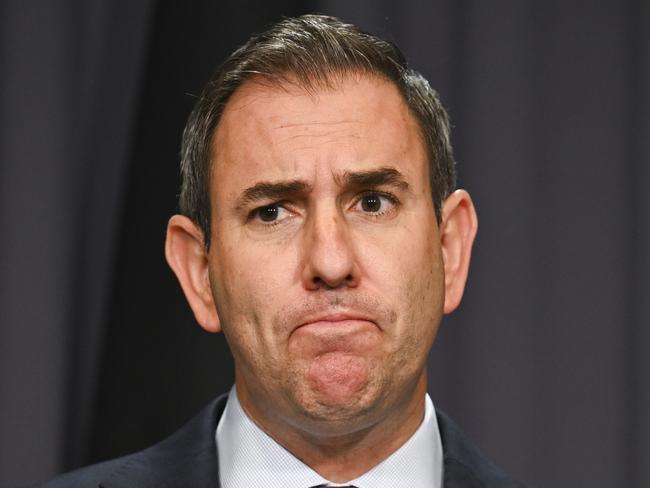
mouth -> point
(342, 320)
(334, 335)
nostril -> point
(319, 282)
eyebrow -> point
(274, 191)
(386, 176)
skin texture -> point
(327, 271)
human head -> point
(310, 51)
(331, 310)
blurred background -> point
(546, 366)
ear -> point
(457, 231)
(188, 258)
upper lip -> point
(336, 317)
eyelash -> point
(388, 196)
(255, 213)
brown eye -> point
(269, 214)
(377, 204)
(371, 203)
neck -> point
(345, 456)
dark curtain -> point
(70, 73)
(545, 366)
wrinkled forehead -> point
(280, 100)
(279, 132)
(264, 107)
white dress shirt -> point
(249, 458)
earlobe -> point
(187, 257)
(457, 233)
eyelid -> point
(382, 193)
(394, 201)
(254, 214)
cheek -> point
(406, 267)
(251, 283)
(250, 272)
(407, 257)
(427, 279)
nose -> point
(329, 257)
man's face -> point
(325, 262)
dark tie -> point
(326, 485)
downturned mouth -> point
(336, 319)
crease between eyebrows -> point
(281, 189)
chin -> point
(340, 417)
(338, 389)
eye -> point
(270, 214)
(375, 203)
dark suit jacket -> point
(188, 459)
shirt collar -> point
(251, 458)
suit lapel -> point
(464, 465)
(187, 459)
(455, 452)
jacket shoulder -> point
(464, 465)
(86, 477)
(188, 458)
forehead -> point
(285, 131)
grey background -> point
(546, 364)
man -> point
(322, 233)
